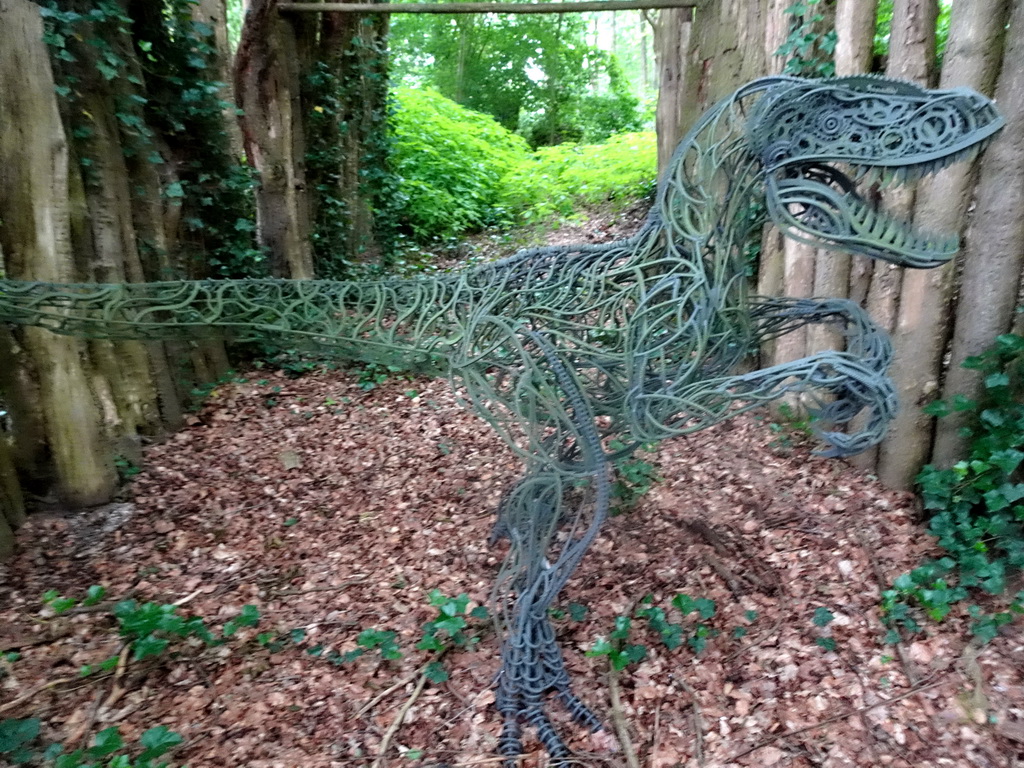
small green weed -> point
(19, 742)
(634, 478)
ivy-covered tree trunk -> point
(345, 109)
(37, 242)
(994, 252)
(268, 88)
(972, 57)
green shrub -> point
(461, 170)
(555, 179)
(452, 162)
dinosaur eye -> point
(777, 153)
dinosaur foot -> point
(533, 673)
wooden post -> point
(994, 252)
(923, 321)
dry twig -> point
(334, 588)
(397, 723)
(34, 692)
(698, 722)
(384, 694)
(619, 719)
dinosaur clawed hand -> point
(534, 671)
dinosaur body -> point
(564, 348)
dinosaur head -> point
(819, 140)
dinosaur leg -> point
(546, 542)
(550, 517)
(532, 672)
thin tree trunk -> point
(12, 505)
(994, 254)
(772, 261)
(267, 84)
(972, 59)
(675, 98)
(912, 58)
(855, 29)
(36, 238)
(703, 61)
(214, 13)
(855, 35)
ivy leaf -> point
(149, 646)
(705, 607)
(158, 741)
(15, 734)
(577, 612)
(106, 742)
(822, 617)
(435, 672)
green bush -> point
(555, 179)
(462, 171)
(452, 162)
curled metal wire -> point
(563, 348)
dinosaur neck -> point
(711, 201)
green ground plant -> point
(976, 506)
(147, 630)
(20, 743)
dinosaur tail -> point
(357, 321)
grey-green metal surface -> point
(564, 348)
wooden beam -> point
(546, 7)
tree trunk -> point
(855, 35)
(267, 84)
(911, 58)
(972, 59)
(855, 28)
(994, 254)
(36, 240)
(671, 43)
(704, 61)
(12, 506)
(214, 13)
(352, 48)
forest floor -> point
(334, 508)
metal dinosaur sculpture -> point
(562, 349)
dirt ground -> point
(334, 509)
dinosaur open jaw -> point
(820, 204)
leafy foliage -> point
(452, 162)
(977, 504)
(809, 49)
(556, 179)
(533, 73)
